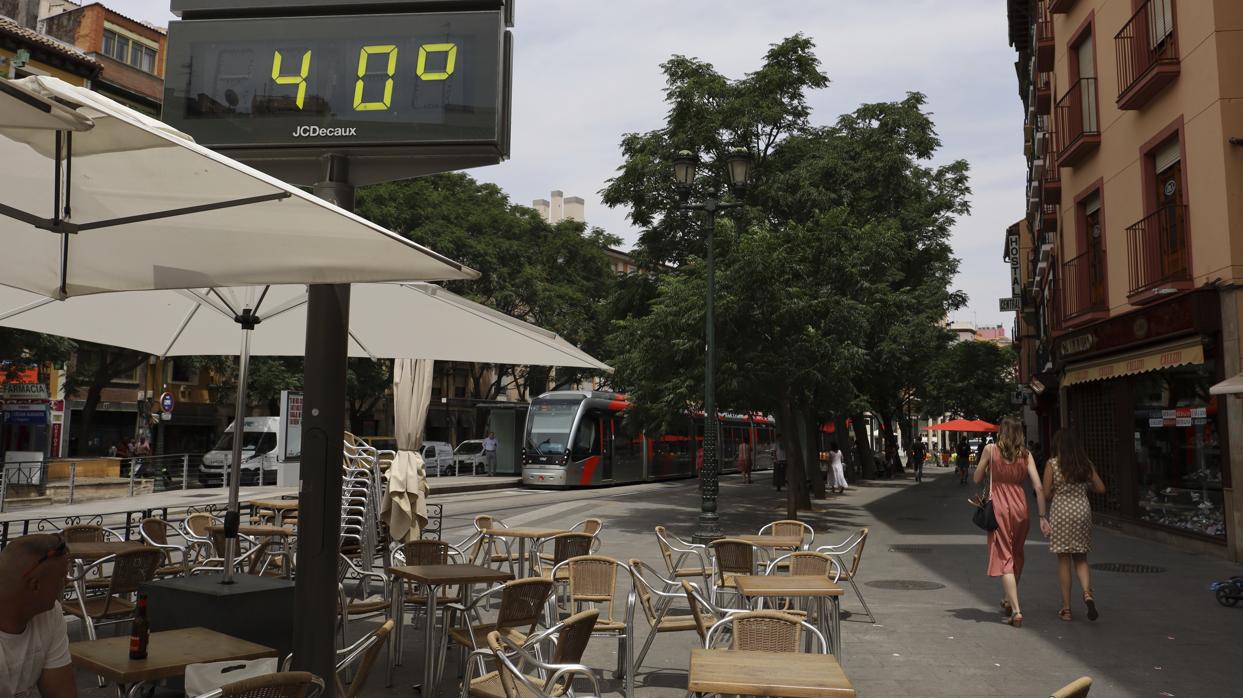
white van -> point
(261, 453)
(437, 458)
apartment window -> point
(1086, 65)
(126, 50)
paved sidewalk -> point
(1160, 634)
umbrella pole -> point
(232, 518)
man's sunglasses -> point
(58, 550)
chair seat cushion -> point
(476, 637)
(368, 605)
(673, 624)
(690, 572)
(95, 607)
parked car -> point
(438, 458)
(468, 456)
(261, 453)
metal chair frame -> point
(499, 649)
(671, 544)
(807, 532)
(533, 644)
(168, 548)
(728, 624)
(853, 543)
(641, 594)
(624, 633)
(308, 686)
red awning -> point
(963, 425)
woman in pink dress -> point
(1008, 465)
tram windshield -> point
(548, 426)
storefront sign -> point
(1162, 357)
(1009, 305)
(291, 425)
(23, 391)
(1193, 312)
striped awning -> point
(1182, 353)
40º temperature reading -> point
(369, 57)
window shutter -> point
(1166, 156)
(1087, 59)
(1092, 204)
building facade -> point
(1130, 313)
(25, 52)
(130, 52)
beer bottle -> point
(139, 630)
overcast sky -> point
(588, 71)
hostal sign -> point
(400, 90)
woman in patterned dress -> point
(1009, 466)
(1067, 477)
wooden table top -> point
(524, 532)
(168, 653)
(280, 504)
(257, 530)
(786, 585)
(791, 542)
(94, 551)
(439, 575)
(774, 674)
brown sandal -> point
(1006, 609)
(1090, 602)
(1064, 614)
(1016, 620)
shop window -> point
(1178, 458)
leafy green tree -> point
(95, 367)
(20, 349)
(556, 276)
(366, 384)
(973, 380)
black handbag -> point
(984, 517)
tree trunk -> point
(888, 437)
(843, 442)
(814, 450)
(863, 447)
(356, 420)
(87, 428)
(793, 427)
(908, 438)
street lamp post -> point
(739, 168)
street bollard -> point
(185, 472)
(73, 479)
(133, 468)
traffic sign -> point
(166, 403)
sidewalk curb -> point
(502, 483)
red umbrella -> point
(963, 425)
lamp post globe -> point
(739, 161)
(684, 164)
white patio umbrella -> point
(95, 197)
(103, 198)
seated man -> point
(34, 643)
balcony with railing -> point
(1060, 7)
(1044, 92)
(1158, 251)
(1051, 179)
(1048, 217)
(1147, 49)
(1083, 288)
(1045, 46)
(1078, 123)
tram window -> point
(586, 439)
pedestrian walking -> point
(962, 456)
(1006, 464)
(489, 453)
(837, 470)
(1067, 477)
(917, 460)
(779, 464)
(744, 459)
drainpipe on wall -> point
(1233, 404)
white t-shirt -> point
(489, 444)
(23, 657)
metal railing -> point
(139, 475)
(1077, 115)
(1157, 249)
(1147, 40)
(1083, 285)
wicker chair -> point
(852, 545)
(195, 529)
(521, 606)
(1075, 689)
(428, 552)
(731, 557)
(570, 638)
(790, 527)
(176, 560)
(515, 683)
(129, 569)
(671, 545)
(593, 583)
(487, 550)
(361, 605)
(656, 604)
(364, 653)
(286, 684)
(766, 631)
(91, 533)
